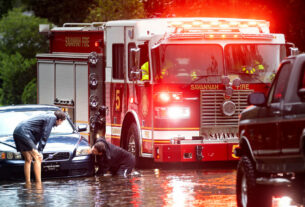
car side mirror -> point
(257, 99)
(82, 128)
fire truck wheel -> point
(133, 140)
(248, 193)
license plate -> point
(52, 166)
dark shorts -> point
(24, 143)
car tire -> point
(132, 141)
(248, 193)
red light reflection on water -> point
(210, 191)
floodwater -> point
(158, 186)
(152, 187)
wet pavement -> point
(162, 186)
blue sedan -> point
(66, 154)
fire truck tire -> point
(248, 193)
(133, 140)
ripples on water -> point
(153, 187)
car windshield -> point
(252, 62)
(9, 121)
(186, 63)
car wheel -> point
(248, 193)
(133, 140)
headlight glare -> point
(83, 151)
(173, 112)
(178, 112)
(10, 155)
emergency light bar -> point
(181, 36)
(230, 25)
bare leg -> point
(37, 165)
(27, 166)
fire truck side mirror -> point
(292, 49)
(136, 74)
(135, 57)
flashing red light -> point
(165, 97)
(131, 100)
(176, 96)
(97, 43)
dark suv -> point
(272, 138)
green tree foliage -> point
(19, 44)
(105, 10)
(6, 5)
(29, 95)
(60, 11)
(16, 72)
(19, 33)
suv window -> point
(278, 88)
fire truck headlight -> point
(178, 112)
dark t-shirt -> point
(37, 128)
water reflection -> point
(154, 187)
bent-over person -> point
(113, 158)
(33, 131)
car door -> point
(268, 141)
(293, 122)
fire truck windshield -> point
(204, 63)
(186, 63)
(253, 63)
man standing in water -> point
(29, 133)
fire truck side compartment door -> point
(64, 85)
(45, 82)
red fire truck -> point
(169, 89)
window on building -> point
(118, 61)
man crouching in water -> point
(113, 158)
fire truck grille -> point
(213, 120)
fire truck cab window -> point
(118, 61)
(253, 63)
(186, 63)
